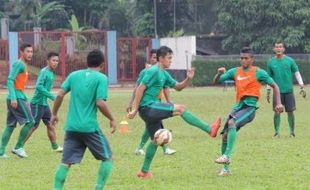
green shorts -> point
(39, 113)
(75, 144)
(153, 115)
(287, 100)
(241, 116)
(22, 114)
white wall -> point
(182, 47)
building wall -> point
(183, 50)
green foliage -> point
(128, 18)
(25, 14)
(205, 70)
(177, 33)
(259, 24)
(74, 24)
(90, 12)
(41, 10)
(144, 25)
(191, 16)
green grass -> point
(259, 162)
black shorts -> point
(153, 115)
(75, 144)
(21, 115)
(40, 112)
(288, 101)
(242, 116)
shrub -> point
(206, 69)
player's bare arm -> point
(276, 90)
(139, 93)
(268, 93)
(57, 103)
(220, 71)
(129, 107)
(301, 84)
(167, 95)
(181, 85)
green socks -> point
(291, 122)
(290, 119)
(195, 121)
(150, 152)
(23, 135)
(164, 147)
(60, 177)
(145, 137)
(7, 132)
(276, 123)
(54, 145)
(231, 139)
(224, 146)
(103, 174)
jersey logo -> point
(241, 78)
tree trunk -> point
(85, 15)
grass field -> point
(259, 161)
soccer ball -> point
(162, 137)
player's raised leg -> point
(197, 122)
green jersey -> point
(260, 75)
(86, 86)
(155, 79)
(281, 71)
(44, 84)
(17, 78)
(141, 74)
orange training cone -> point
(123, 126)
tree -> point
(88, 12)
(25, 14)
(259, 24)
(140, 16)
(203, 15)
(37, 11)
(144, 25)
(115, 18)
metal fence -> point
(132, 54)
(72, 47)
(4, 61)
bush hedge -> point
(206, 69)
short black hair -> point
(163, 51)
(52, 54)
(24, 46)
(153, 51)
(279, 41)
(95, 58)
(247, 50)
